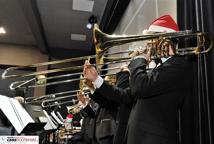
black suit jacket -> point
(112, 106)
(102, 124)
(123, 106)
(157, 96)
(124, 109)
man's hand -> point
(20, 99)
(124, 68)
(89, 84)
(145, 53)
(135, 52)
(89, 71)
(82, 98)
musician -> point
(157, 94)
(84, 102)
(123, 108)
(100, 129)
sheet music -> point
(60, 116)
(56, 118)
(15, 112)
(50, 125)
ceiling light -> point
(2, 30)
(79, 37)
(83, 5)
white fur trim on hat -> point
(155, 28)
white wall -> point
(139, 15)
(19, 55)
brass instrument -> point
(111, 79)
(74, 109)
(19, 84)
(54, 102)
(159, 45)
(104, 41)
(50, 99)
(51, 96)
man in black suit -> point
(158, 94)
(100, 128)
(123, 108)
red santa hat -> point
(162, 24)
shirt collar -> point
(163, 59)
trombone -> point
(104, 41)
(76, 107)
(21, 84)
(33, 99)
(50, 100)
(54, 102)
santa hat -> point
(162, 24)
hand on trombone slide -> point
(139, 52)
(89, 84)
(124, 68)
(89, 71)
(82, 98)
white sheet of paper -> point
(56, 118)
(50, 125)
(60, 116)
(15, 112)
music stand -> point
(18, 116)
(51, 123)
